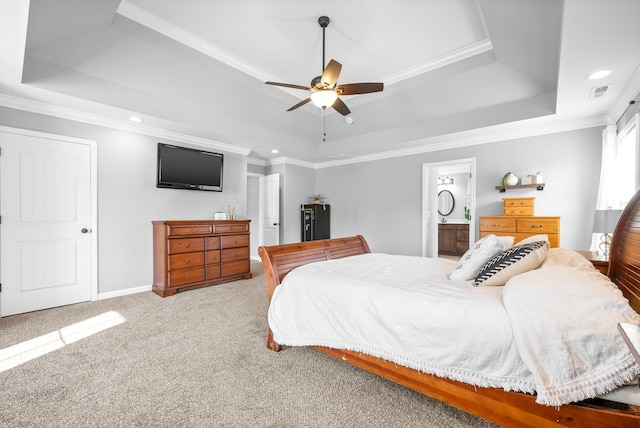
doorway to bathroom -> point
(448, 207)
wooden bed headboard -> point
(279, 260)
(624, 254)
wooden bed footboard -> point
(509, 409)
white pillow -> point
(509, 263)
(507, 241)
(534, 238)
(476, 256)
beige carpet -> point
(195, 359)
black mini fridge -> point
(316, 222)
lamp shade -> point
(324, 98)
(605, 221)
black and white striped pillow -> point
(511, 262)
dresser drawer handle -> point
(536, 226)
(496, 225)
(188, 276)
(187, 245)
(188, 261)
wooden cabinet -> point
(197, 253)
(519, 206)
(453, 239)
(522, 227)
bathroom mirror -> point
(446, 202)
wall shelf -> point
(538, 186)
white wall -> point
(381, 200)
(128, 199)
(385, 203)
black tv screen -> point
(185, 168)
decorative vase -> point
(510, 180)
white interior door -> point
(269, 210)
(46, 248)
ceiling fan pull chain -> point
(324, 125)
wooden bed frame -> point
(499, 406)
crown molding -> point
(510, 131)
(631, 90)
(439, 62)
(149, 20)
(492, 134)
(98, 120)
(176, 33)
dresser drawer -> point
(235, 268)
(231, 254)
(190, 229)
(231, 228)
(232, 241)
(213, 243)
(185, 276)
(518, 202)
(213, 272)
(183, 260)
(497, 224)
(186, 245)
(538, 225)
(554, 238)
(518, 211)
(212, 256)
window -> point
(625, 183)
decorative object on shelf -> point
(538, 178)
(604, 222)
(532, 179)
(467, 214)
(509, 179)
(317, 198)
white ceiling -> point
(455, 71)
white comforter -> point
(551, 331)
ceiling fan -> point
(325, 89)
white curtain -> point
(618, 180)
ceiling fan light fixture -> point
(324, 98)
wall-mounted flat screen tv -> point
(185, 168)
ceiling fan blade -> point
(359, 88)
(288, 85)
(341, 107)
(300, 104)
(330, 74)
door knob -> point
(84, 230)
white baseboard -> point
(125, 292)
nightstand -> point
(600, 261)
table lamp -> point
(604, 222)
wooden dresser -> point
(453, 238)
(197, 253)
(521, 227)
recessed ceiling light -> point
(599, 74)
(135, 119)
(275, 151)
